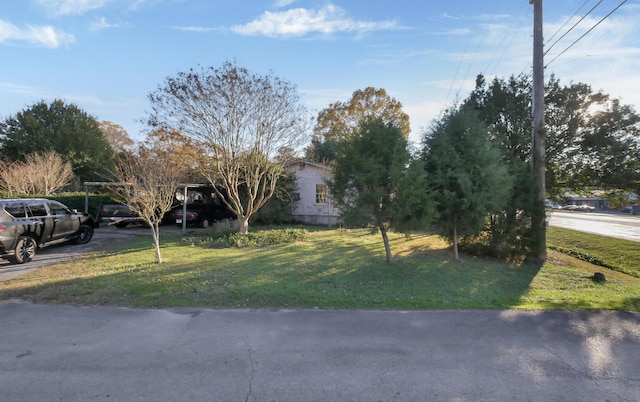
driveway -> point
(103, 238)
(118, 354)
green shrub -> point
(261, 238)
(265, 238)
(225, 226)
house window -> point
(321, 193)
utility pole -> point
(538, 219)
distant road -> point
(611, 225)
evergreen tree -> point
(63, 128)
(465, 174)
(375, 183)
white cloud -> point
(453, 32)
(44, 35)
(102, 23)
(283, 3)
(197, 29)
(422, 115)
(300, 21)
(607, 58)
(21, 90)
(480, 17)
(70, 7)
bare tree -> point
(42, 174)
(149, 180)
(7, 176)
(240, 121)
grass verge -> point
(328, 269)
(618, 255)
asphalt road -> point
(71, 353)
(64, 353)
(611, 225)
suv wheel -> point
(25, 250)
(85, 233)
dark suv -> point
(30, 223)
(203, 207)
(119, 215)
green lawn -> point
(329, 269)
(620, 255)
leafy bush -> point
(253, 239)
(225, 226)
(511, 245)
(262, 239)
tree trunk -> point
(243, 223)
(385, 239)
(455, 243)
(155, 233)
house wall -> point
(308, 210)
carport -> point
(184, 186)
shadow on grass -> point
(330, 270)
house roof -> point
(302, 163)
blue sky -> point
(106, 56)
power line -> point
(586, 33)
(464, 53)
(473, 59)
(528, 67)
(574, 25)
(567, 21)
(505, 48)
(455, 76)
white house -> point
(314, 204)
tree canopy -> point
(239, 121)
(592, 140)
(341, 119)
(117, 136)
(63, 128)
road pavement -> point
(66, 353)
(619, 226)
